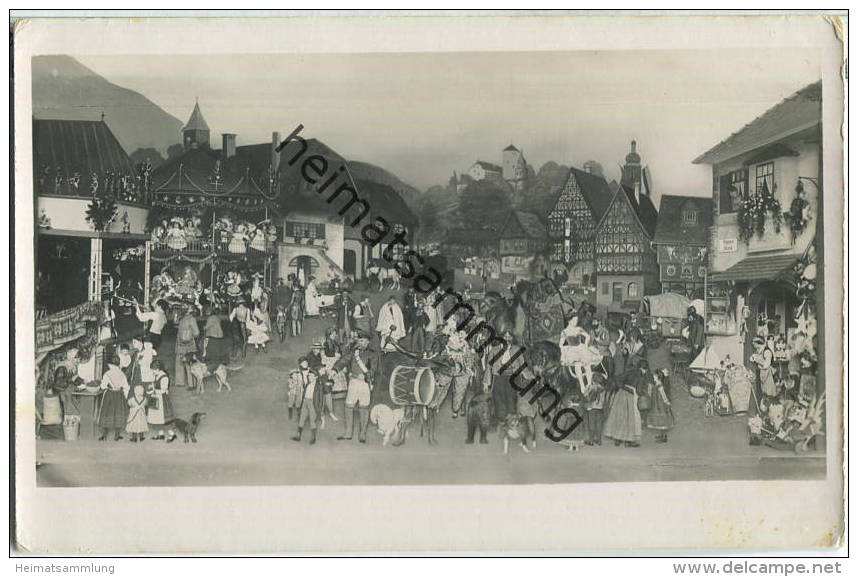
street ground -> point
(245, 440)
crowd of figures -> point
(602, 372)
(599, 370)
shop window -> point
(689, 217)
(633, 290)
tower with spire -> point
(196, 132)
(632, 169)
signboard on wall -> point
(728, 245)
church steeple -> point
(196, 132)
(632, 168)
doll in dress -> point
(238, 242)
(137, 425)
(257, 237)
(176, 239)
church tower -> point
(196, 132)
(632, 169)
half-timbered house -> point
(579, 206)
(626, 267)
(522, 237)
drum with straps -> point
(412, 385)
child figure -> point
(145, 358)
(161, 411)
(114, 411)
(258, 330)
(282, 322)
(293, 393)
(660, 416)
(137, 424)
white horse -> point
(382, 274)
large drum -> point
(412, 385)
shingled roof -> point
(82, 146)
(295, 193)
(523, 223)
(671, 228)
(196, 121)
(769, 267)
(595, 190)
(798, 112)
(644, 209)
(70, 151)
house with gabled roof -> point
(682, 243)
(626, 266)
(580, 205)
(522, 237)
(482, 170)
(766, 192)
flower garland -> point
(752, 212)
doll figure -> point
(271, 234)
(223, 233)
(257, 237)
(238, 242)
(158, 234)
(176, 235)
(192, 228)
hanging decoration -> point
(133, 254)
(754, 210)
(798, 215)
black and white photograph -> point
(506, 268)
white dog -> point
(204, 376)
(389, 421)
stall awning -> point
(757, 268)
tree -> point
(141, 155)
(174, 150)
(427, 212)
(484, 205)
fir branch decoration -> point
(102, 209)
(797, 217)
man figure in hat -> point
(358, 367)
(312, 403)
(391, 324)
(315, 356)
(694, 326)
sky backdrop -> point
(423, 115)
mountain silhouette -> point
(65, 89)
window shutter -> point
(725, 200)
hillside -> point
(65, 89)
